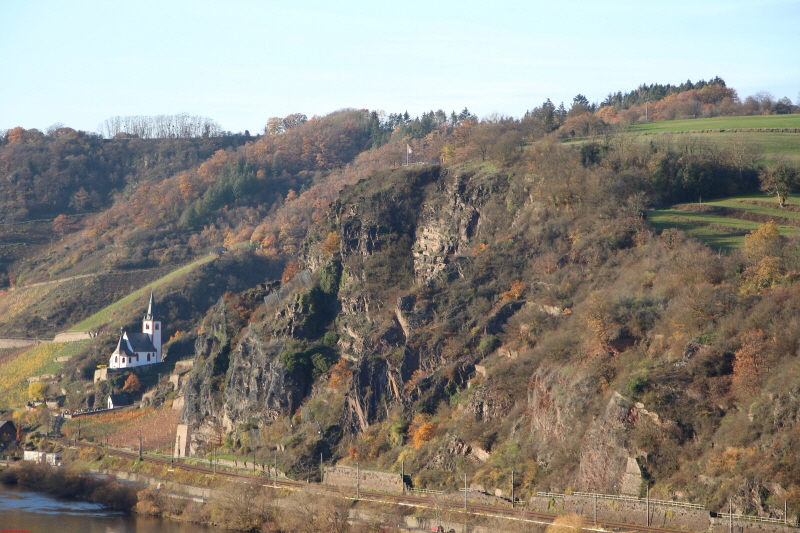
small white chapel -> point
(139, 349)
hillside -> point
(463, 320)
(507, 302)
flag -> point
(408, 147)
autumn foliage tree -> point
(331, 243)
(763, 249)
(751, 362)
(36, 391)
(132, 384)
(290, 271)
(421, 430)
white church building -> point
(139, 349)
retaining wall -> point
(19, 343)
(72, 336)
(347, 476)
(661, 514)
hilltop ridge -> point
(500, 304)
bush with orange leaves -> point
(751, 362)
(421, 430)
(331, 243)
(291, 270)
(516, 290)
(340, 375)
(353, 452)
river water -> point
(24, 510)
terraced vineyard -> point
(37, 361)
(122, 428)
(722, 224)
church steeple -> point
(151, 309)
(151, 327)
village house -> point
(8, 431)
(118, 400)
(52, 459)
(139, 349)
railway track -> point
(399, 499)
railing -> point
(749, 518)
(427, 491)
(623, 498)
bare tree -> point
(743, 153)
(243, 506)
(160, 126)
(309, 512)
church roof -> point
(122, 347)
(140, 342)
(151, 309)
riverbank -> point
(24, 509)
(258, 504)
(68, 483)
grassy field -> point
(37, 361)
(104, 316)
(719, 123)
(723, 223)
(773, 145)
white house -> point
(52, 459)
(118, 400)
(139, 349)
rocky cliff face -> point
(447, 223)
(237, 377)
(451, 320)
(257, 385)
(408, 233)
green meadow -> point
(719, 123)
(726, 231)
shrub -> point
(331, 244)
(637, 385)
(132, 384)
(488, 344)
(423, 434)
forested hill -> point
(499, 304)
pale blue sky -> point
(80, 62)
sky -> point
(240, 62)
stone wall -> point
(201, 493)
(347, 476)
(18, 343)
(635, 512)
(72, 336)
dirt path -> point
(55, 281)
(67, 336)
(19, 343)
(83, 276)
